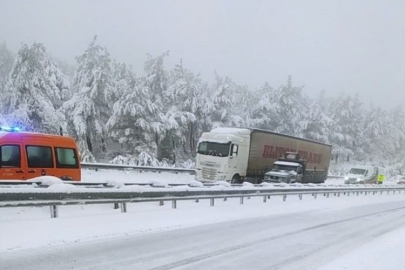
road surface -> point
(306, 240)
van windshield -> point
(214, 149)
(358, 171)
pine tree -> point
(94, 95)
(133, 123)
(6, 64)
(35, 91)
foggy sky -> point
(338, 46)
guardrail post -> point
(348, 194)
(264, 199)
(116, 206)
(381, 192)
(248, 197)
(338, 194)
(174, 204)
(365, 193)
(241, 200)
(268, 197)
(225, 199)
(284, 197)
(212, 201)
(197, 200)
(327, 195)
(315, 195)
(54, 211)
(300, 196)
(357, 193)
(123, 207)
(161, 203)
(394, 191)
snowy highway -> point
(354, 232)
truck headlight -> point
(221, 177)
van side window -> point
(10, 156)
(66, 158)
(39, 157)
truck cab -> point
(222, 155)
(288, 169)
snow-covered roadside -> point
(22, 228)
(385, 252)
(134, 176)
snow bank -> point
(156, 183)
(46, 180)
(195, 184)
(63, 187)
(181, 188)
(133, 188)
(116, 183)
(223, 183)
(247, 184)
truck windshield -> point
(357, 171)
(285, 168)
(214, 149)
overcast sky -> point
(339, 46)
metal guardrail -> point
(54, 199)
(107, 166)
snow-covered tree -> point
(185, 100)
(225, 110)
(346, 134)
(35, 91)
(6, 64)
(133, 123)
(94, 95)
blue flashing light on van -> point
(12, 129)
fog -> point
(336, 46)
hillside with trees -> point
(156, 119)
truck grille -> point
(208, 173)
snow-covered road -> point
(335, 233)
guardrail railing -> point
(107, 166)
(54, 198)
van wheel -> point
(236, 179)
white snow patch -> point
(247, 184)
(156, 183)
(46, 180)
(63, 187)
(195, 184)
(223, 183)
(133, 188)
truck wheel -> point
(236, 179)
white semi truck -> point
(243, 154)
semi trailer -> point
(247, 154)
